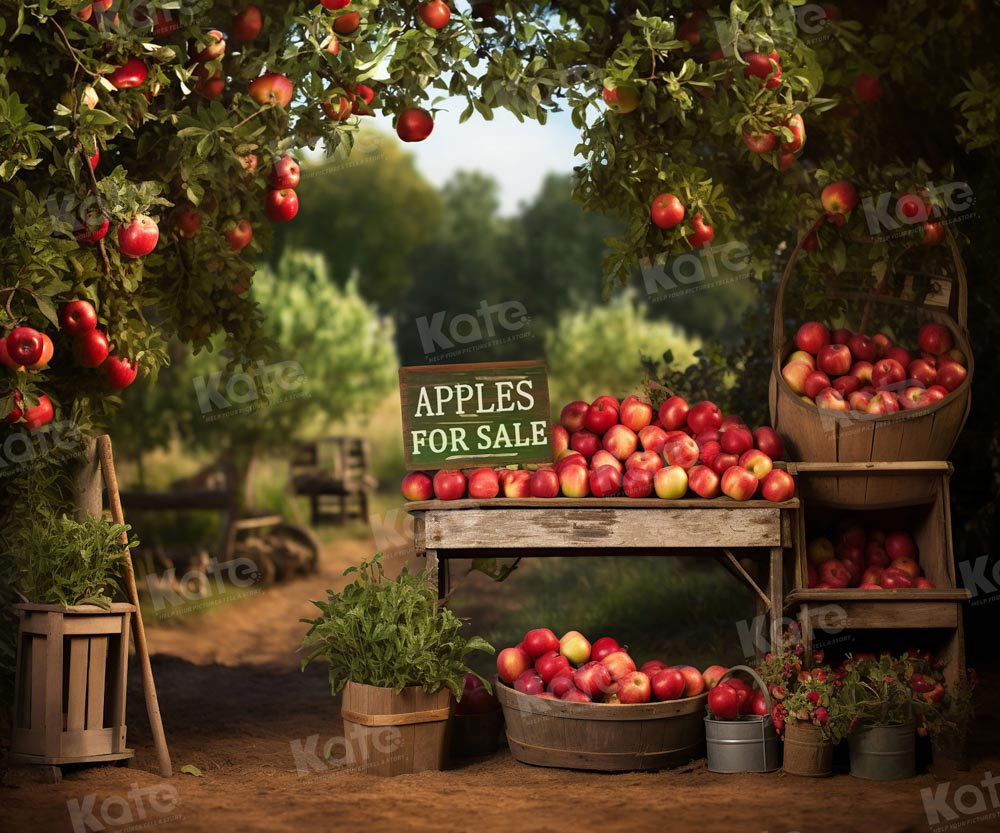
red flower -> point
(813, 697)
(820, 675)
(822, 716)
(818, 657)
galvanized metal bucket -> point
(883, 753)
(748, 744)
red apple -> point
(635, 414)
(671, 483)
(900, 545)
(40, 415)
(574, 481)
(694, 683)
(516, 484)
(653, 667)
(417, 486)
(935, 338)
(605, 481)
(738, 483)
(871, 575)
(832, 399)
(906, 565)
(637, 483)
(924, 584)
(529, 683)
(737, 440)
(621, 441)
(592, 678)
(646, 460)
(540, 641)
(285, 173)
(77, 317)
(414, 125)
(600, 417)
(586, 442)
(756, 462)
(618, 663)
(572, 416)
(603, 647)
(634, 688)
(119, 372)
(883, 402)
(862, 371)
(704, 482)
(606, 458)
(887, 372)
(668, 684)
(704, 416)
(815, 382)
(862, 348)
(795, 375)
(673, 413)
(272, 87)
(898, 354)
(682, 451)
(850, 534)
(544, 483)
(713, 674)
(449, 484)
(834, 573)
(132, 73)
(951, 375)
(839, 197)
(667, 210)
(846, 385)
(812, 336)
(435, 14)
(560, 439)
(561, 683)
(246, 25)
(240, 235)
(512, 663)
(575, 696)
(769, 441)
(834, 359)
(89, 349)
(722, 462)
(860, 399)
(778, 486)
(708, 451)
(840, 336)
(744, 694)
(652, 438)
(896, 580)
(188, 222)
(484, 484)
(922, 371)
(550, 664)
(139, 237)
(282, 205)
(875, 555)
(724, 703)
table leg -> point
(776, 593)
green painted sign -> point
(462, 415)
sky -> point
(517, 155)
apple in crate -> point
(853, 535)
(529, 683)
(635, 414)
(769, 441)
(738, 483)
(736, 440)
(540, 641)
(756, 462)
(924, 584)
(600, 416)
(703, 482)
(512, 663)
(724, 703)
(575, 647)
(637, 483)
(673, 413)
(449, 484)
(906, 565)
(703, 416)
(620, 441)
(544, 483)
(812, 336)
(561, 683)
(605, 481)
(574, 481)
(871, 577)
(723, 462)
(573, 415)
(795, 375)
(834, 359)
(681, 450)
(551, 664)
(694, 683)
(602, 647)
(652, 438)
(671, 483)
(592, 678)
(648, 460)
(862, 348)
(618, 664)
(585, 442)
(819, 550)
(777, 486)
(560, 438)
(668, 684)
(484, 484)
(900, 545)
(846, 385)
(634, 687)
(834, 573)
(815, 382)
(713, 674)
(893, 579)
(652, 667)
(417, 486)
(574, 695)
(515, 483)
(606, 458)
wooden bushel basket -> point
(928, 433)
(69, 697)
(395, 734)
(600, 736)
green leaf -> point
(191, 769)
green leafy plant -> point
(390, 633)
(62, 561)
(875, 692)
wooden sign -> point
(462, 415)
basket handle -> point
(958, 301)
(778, 334)
(757, 679)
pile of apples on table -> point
(867, 559)
(611, 447)
(573, 670)
(840, 370)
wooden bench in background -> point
(333, 473)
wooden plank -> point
(875, 468)
(737, 570)
(907, 614)
(87, 625)
(53, 685)
(95, 682)
(79, 649)
(22, 670)
(490, 413)
(775, 592)
(116, 607)
(571, 528)
(62, 760)
(956, 595)
(39, 679)
(719, 503)
(120, 687)
(88, 742)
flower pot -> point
(386, 733)
(476, 735)
(69, 689)
(950, 753)
(808, 751)
(883, 753)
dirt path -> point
(236, 706)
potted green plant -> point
(400, 659)
(69, 628)
(883, 713)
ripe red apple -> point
(335, 5)
(90, 349)
(875, 554)
(592, 678)
(516, 484)
(119, 373)
(924, 584)
(883, 402)
(704, 416)
(834, 573)
(188, 221)
(605, 481)
(769, 441)
(562, 683)
(922, 371)
(900, 545)
(953, 355)
(652, 438)
(132, 73)
(246, 25)
(574, 481)
(704, 482)
(667, 210)
(862, 348)
(846, 385)
(544, 483)
(560, 439)
(637, 483)
(540, 641)
(40, 415)
(871, 575)
(724, 703)
(646, 460)
(819, 551)
(215, 50)
(708, 451)
(832, 399)
(282, 205)
(621, 441)
(606, 458)
(417, 486)
(722, 462)
(738, 483)
(812, 336)
(694, 683)
(550, 664)
(603, 647)
(634, 687)
(285, 173)
(272, 87)
(435, 14)
(906, 565)
(802, 356)
(139, 237)
(574, 695)
(652, 667)
(777, 486)
(414, 125)
(703, 233)
(671, 483)
(529, 683)
(635, 414)
(347, 23)
(935, 338)
(839, 197)
(572, 415)
(668, 684)
(887, 372)
(77, 317)
(834, 359)
(893, 579)
(795, 375)
(840, 336)
(574, 646)
(815, 382)
(362, 97)
(737, 440)
(600, 416)
(239, 236)
(713, 674)
(585, 442)
(951, 375)
(484, 484)
(756, 462)
(449, 484)
(860, 399)
(673, 413)
(681, 450)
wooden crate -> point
(69, 704)
(600, 736)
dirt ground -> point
(235, 705)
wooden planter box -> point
(69, 694)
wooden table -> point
(722, 528)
